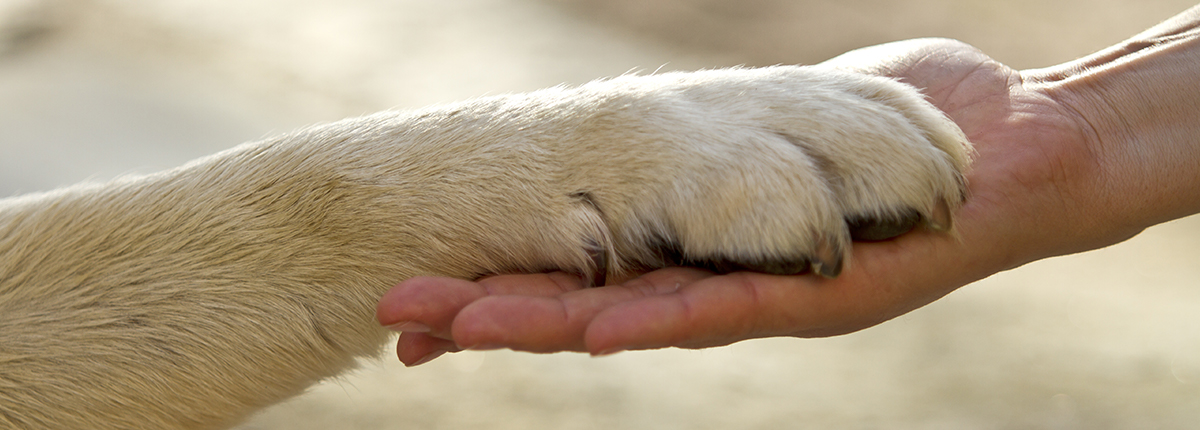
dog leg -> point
(191, 298)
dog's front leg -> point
(190, 298)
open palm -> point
(1026, 203)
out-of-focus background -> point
(90, 89)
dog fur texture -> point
(191, 298)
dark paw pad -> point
(875, 229)
(826, 262)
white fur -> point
(190, 298)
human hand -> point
(1033, 194)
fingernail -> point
(481, 347)
(608, 352)
(427, 358)
(408, 327)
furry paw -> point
(774, 170)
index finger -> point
(427, 304)
(556, 322)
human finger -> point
(555, 323)
(429, 304)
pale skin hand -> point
(1070, 158)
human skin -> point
(1069, 158)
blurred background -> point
(91, 89)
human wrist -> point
(1138, 103)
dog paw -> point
(774, 170)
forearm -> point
(1140, 100)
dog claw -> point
(940, 218)
(828, 260)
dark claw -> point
(828, 260)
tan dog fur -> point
(190, 298)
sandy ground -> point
(1110, 339)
